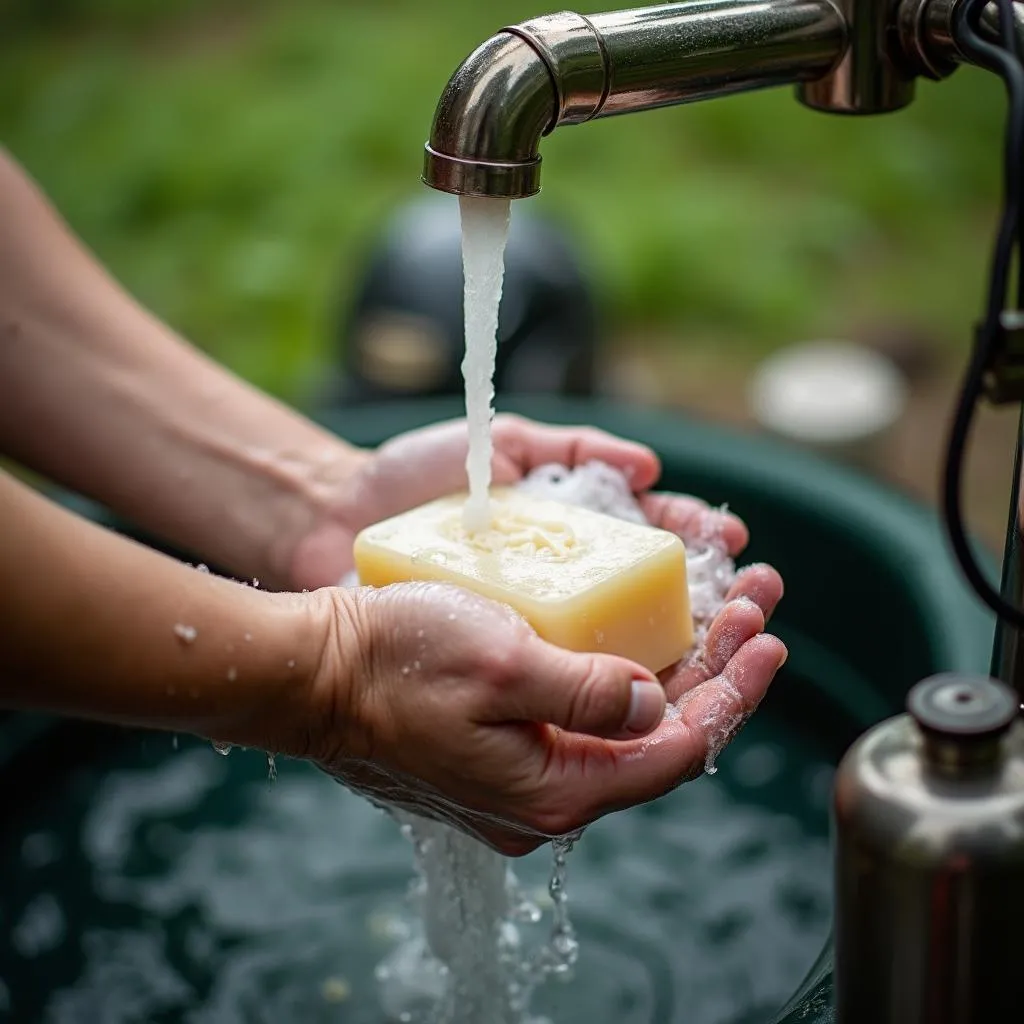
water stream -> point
(484, 234)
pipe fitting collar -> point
(493, 179)
(575, 55)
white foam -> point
(594, 485)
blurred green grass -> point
(230, 162)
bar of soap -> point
(583, 580)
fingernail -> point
(646, 706)
(783, 659)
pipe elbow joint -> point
(505, 97)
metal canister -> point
(929, 840)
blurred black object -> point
(403, 335)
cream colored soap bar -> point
(583, 580)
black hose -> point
(1004, 59)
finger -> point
(716, 710)
(758, 583)
(739, 621)
(596, 694)
(530, 445)
(695, 521)
(604, 776)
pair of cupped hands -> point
(457, 710)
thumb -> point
(598, 694)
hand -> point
(456, 710)
(715, 689)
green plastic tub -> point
(147, 879)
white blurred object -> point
(838, 398)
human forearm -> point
(102, 397)
(94, 625)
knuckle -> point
(595, 701)
(500, 663)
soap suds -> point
(510, 530)
(594, 486)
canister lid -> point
(963, 707)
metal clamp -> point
(1004, 376)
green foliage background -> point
(230, 162)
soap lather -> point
(586, 581)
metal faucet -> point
(846, 57)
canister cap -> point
(963, 707)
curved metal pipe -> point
(490, 117)
(565, 69)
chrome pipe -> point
(562, 69)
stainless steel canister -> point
(929, 841)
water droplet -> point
(248, 638)
(232, 674)
(174, 742)
(202, 568)
(222, 748)
(271, 767)
(255, 582)
(187, 634)
(291, 663)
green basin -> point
(155, 882)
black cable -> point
(990, 339)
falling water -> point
(484, 233)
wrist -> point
(271, 678)
(322, 715)
(319, 554)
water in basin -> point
(148, 883)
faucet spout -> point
(565, 68)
